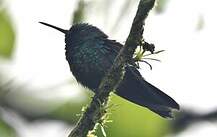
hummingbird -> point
(90, 53)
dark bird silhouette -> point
(90, 54)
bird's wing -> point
(107, 50)
(134, 88)
(111, 49)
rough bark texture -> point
(97, 108)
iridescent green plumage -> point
(90, 54)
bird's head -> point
(79, 33)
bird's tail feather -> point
(135, 89)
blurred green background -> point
(30, 106)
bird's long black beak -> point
(57, 28)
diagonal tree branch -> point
(97, 108)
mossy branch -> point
(97, 108)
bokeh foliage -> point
(6, 130)
(7, 35)
(7, 40)
(132, 120)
